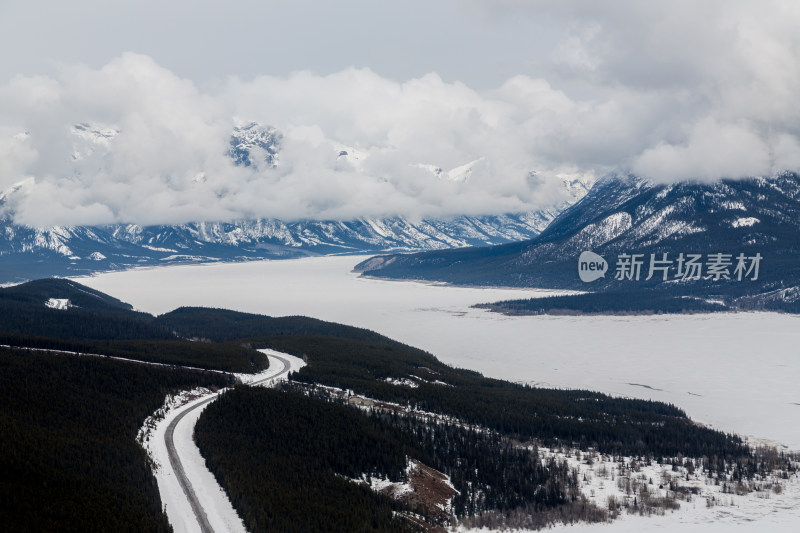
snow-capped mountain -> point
(459, 174)
(625, 215)
(90, 139)
(27, 252)
(255, 144)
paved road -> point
(180, 473)
(284, 371)
(169, 440)
(175, 460)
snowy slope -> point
(253, 144)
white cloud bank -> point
(669, 90)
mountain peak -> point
(90, 138)
(254, 144)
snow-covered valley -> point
(735, 372)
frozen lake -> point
(736, 372)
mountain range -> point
(736, 238)
(27, 252)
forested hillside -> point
(281, 459)
(69, 460)
(350, 358)
(630, 302)
(92, 322)
(272, 450)
(222, 325)
(572, 417)
(361, 360)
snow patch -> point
(350, 154)
(385, 486)
(58, 303)
(402, 382)
(599, 233)
(157, 249)
(744, 222)
(706, 503)
(703, 504)
(425, 486)
(733, 206)
(459, 174)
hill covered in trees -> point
(69, 460)
(630, 302)
(60, 314)
(273, 449)
(572, 417)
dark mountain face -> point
(737, 237)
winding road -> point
(197, 506)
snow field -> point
(710, 511)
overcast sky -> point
(207, 41)
(683, 89)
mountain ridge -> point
(30, 252)
(624, 215)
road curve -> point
(175, 460)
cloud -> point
(712, 150)
(686, 90)
(149, 135)
(669, 90)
